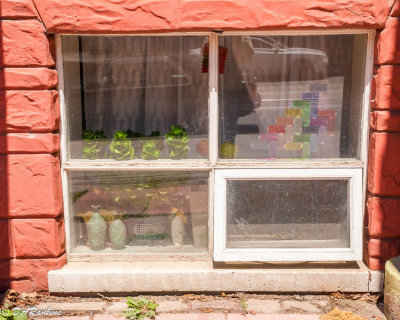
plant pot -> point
(117, 232)
(97, 230)
(177, 231)
(157, 226)
(198, 201)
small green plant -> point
(178, 142)
(92, 149)
(7, 314)
(121, 147)
(243, 305)
(140, 308)
(150, 150)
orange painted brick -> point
(17, 9)
(383, 217)
(388, 43)
(388, 88)
(24, 43)
(375, 264)
(5, 240)
(383, 164)
(395, 9)
(29, 143)
(34, 186)
(383, 248)
(29, 111)
(104, 16)
(28, 78)
(38, 238)
(385, 121)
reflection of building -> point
(315, 79)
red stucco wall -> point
(31, 224)
(383, 200)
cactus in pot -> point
(121, 147)
(92, 149)
(178, 142)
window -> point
(232, 147)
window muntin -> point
(291, 97)
(146, 202)
(139, 85)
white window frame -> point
(354, 252)
(213, 165)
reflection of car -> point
(273, 61)
(135, 73)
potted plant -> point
(178, 142)
(121, 147)
(147, 147)
(92, 148)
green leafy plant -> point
(121, 147)
(92, 149)
(243, 305)
(7, 314)
(140, 308)
(178, 142)
(150, 150)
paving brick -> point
(264, 306)
(24, 43)
(191, 316)
(117, 307)
(73, 306)
(29, 111)
(383, 164)
(383, 217)
(171, 306)
(38, 238)
(28, 78)
(300, 305)
(34, 186)
(272, 317)
(70, 318)
(29, 143)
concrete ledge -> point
(203, 276)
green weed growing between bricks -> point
(140, 308)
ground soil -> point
(363, 306)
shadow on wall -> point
(5, 247)
(383, 198)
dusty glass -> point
(287, 214)
(143, 98)
(138, 212)
(291, 97)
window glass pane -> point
(291, 97)
(287, 214)
(139, 212)
(123, 95)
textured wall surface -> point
(121, 16)
(31, 225)
(383, 202)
